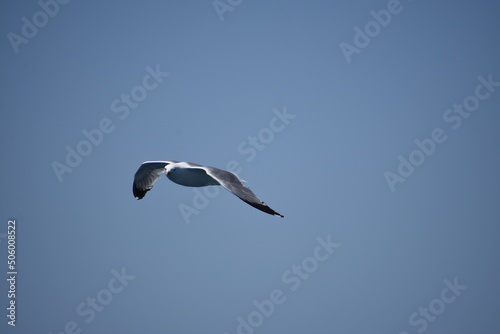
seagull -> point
(193, 175)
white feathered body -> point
(191, 177)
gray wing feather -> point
(233, 183)
(146, 176)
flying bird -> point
(193, 175)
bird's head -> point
(170, 169)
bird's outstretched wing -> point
(233, 183)
(147, 175)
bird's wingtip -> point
(139, 193)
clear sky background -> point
(418, 256)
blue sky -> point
(382, 158)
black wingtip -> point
(265, 208)
(139, 193)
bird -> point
(193, 175)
